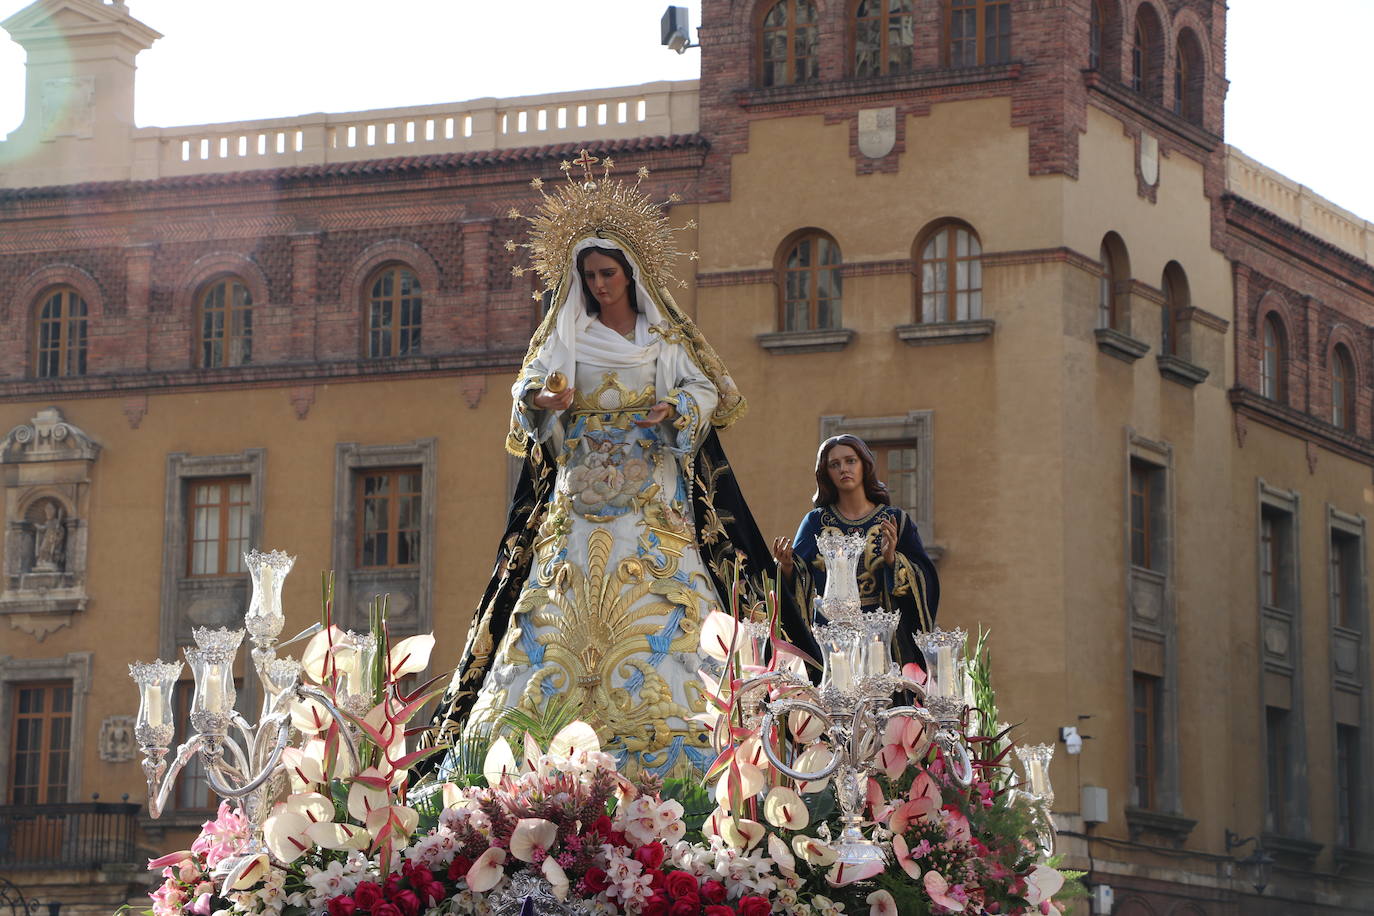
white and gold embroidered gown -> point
(610, 613)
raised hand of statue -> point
(887, 535)
(782, 552)
(545, 399)
(656, 414)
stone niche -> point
(45, 466)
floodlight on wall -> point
(676, 35)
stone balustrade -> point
(1299, 205)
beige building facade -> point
(1121, 374)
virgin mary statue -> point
(627, 521)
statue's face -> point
(50, 510)
(606, 280)
(845, 468)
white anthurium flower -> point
(367, 793)
(750, 781)
(843, 873)
(718, 635)
(533, 753)
(245, 874)
(805, 726)
(405, 819)
(303, 766)
(1042, 883)
(780, 854)
(784, 808)
(315, 660)
(395, 736)
(287, 830)
(531, 833)
(814, 759)
(880, 903)
(712, 825)
(814, 851)
(575, 736)
(499, 763)
(410, 655)
(487, 871)
(310, 716)
(339, 836)
(750, 751)
(742, 833)
(454, 797)
(557, 878)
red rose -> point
(684, 884)
(367, 895)
(657, 905)
(386, 909)
(686, 906)
(459, 868)
(657, 881)
(719, 911)
(617, 838)
(392, 885)
(713, 891)
(651, 855)
(754, 905)
(596, 880)
(342, 906)
(408, 902)
(433, 892)
(602, 825)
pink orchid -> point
(938, 890)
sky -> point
(1298, 102)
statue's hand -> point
(547, 400)
(887, 533)
(656, 414)
(782, 552)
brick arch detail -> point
(1273, 302)
(384, 252)
(824, 9)
(1114, 19)
(1135, 905)
(218, 264)
(1342, 333)
(25, 300)
(1188, 18)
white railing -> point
(1299, 205)
(652, 109)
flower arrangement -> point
(558, 826)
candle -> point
(841, 674)
(1037, 778)
(152, 703)
(944, 671)
(214, 693)
(268, 608)
(877, 657)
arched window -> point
(884, 35)
(811, 283)
(393, 312)
(1176, 299)
(787, 40)
(1189, 77)
(1112, 282)
(978, 32)
(1342, 388)
(949, 274)
(60, 347)
(226, 323)
(1273, 360)
(1104, 37)
(1147, 54)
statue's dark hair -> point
(826, 494)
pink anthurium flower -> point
(892, 760)
(938, 890)
(532, 833)
(880, 903)
(784, 808)
(904, 859)
(843, 873)
(914, 672)
(957, 826)
(924, 787)
(487, 871)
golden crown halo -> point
(578, 209)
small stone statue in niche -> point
(117, 739)
(50, 540)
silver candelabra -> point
(244, 765)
